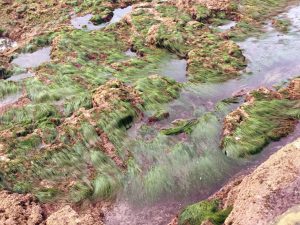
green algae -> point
(254, 133)
(8, 87)
(254, 14)
(162, 165)
(156, 90)
(39, 42)
(202, 12)
(180, 126)
(202, 211)
(282, 25)
(63, 90)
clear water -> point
(272, 58)
(227, 26)
(35, 59)
(83, 22)
(21, 76)
(10, 99)
(130, 53)
(175, 68)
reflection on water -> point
(21, 76)
(83, 22)
(26, 60)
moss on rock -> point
(203, 211)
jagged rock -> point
(269, 191)
(114, 90)
(18, 209)
(211, 4)
(68, 216)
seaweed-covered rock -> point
(113, 91)
(204, 213)
(246, 131)
(267, 195)
(156, 90)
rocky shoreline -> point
(263, 195)
(66, 150)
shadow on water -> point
(83, 22)
(177, 173)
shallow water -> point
(10, 99)
(21, 76)
(162, 212)
(130, 53)
(175, 68)
(227, 26)
(6, 43)
(35, 59)
(272, 58)
(83, 22)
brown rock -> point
(68, 216)
(114, 90)
(211, 4)
(18, 209)
(269, 191)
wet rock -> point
(293, 89)
(292, 216)
(263, 195)
(207, 222)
